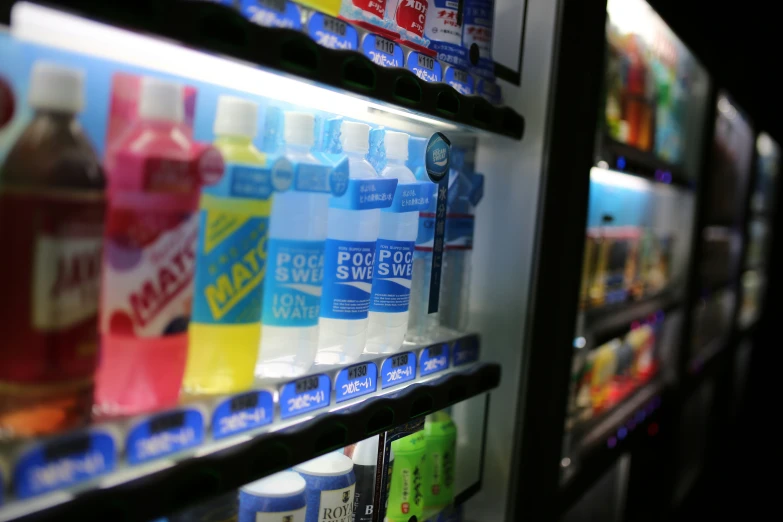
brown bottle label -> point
(53, 281)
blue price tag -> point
(398, 369)
(356, 381)
(382, 51)
(273, 13)
(242, 413)
(466, 350)
(434, 359)
(489, 90)
(409, 197)
(164, 434)
(365, 194)
(305, 395)
(425, 67)
(332, 33)
(63, 462)
(461, 81)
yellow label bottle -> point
(225, 327)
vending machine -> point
(637, 248)
(270, 257)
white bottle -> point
(348, 261)
(391, 285)
(295, 260)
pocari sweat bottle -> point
(458, 244)
(422, 326)
(295, 256)
(348, 260)
(392, 272)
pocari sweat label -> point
(391, 283)
(347, 283)
(292, 292)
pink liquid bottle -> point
(149, 256)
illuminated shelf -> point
(220, 30)
(598, 442)
(148, 466)
(605, 323)
(630, 160)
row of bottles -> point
(417, 474)
(200, 266)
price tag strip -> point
(62, 462)
(356, 381)
(242, 412)
(164, 434)
(305, 395)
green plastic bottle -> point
(406, 498)
(441, 437)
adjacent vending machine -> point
(270, 257)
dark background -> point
(740, 44)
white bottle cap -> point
(355, 137)
(366, 452)
(236, 117)
(329, 465)
(299, 128)
(396, 144)
(56, 88)
(283, 484)
(161, 100)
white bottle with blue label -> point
(348, 259)
(453, 313)
(295, 257)
(391, 285)
(422, 326)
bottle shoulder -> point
(399, 172)
(53, 152)
(235, 152)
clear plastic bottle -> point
(350, 246)
(224, 332)
(453, 312)
(52, 209)
(422, 326)
(392, 272)
(295, 257)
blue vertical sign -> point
(437, 164)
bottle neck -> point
(355, 154)
(298, 148)
(232, 139)
(396, 161)
(58, 116)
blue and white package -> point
(444, 32)
(331, 485)
(352, 230)
(278, 497)
(295, 257)
(280, 14)
(393, 268)
(421, 324)
(477, 21)
(459, 242)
